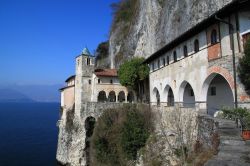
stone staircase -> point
(233, 150)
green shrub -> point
(119, 134)
(244, 67)
(238, 113)
(134, 134)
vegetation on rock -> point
(124, 12)
(102, 53)
(244, 67)
(119, 134)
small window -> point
(185, 52)
(99, 81)
(89, 82)
(191, 92)
(175, 56)
(111, 81)
(88, 61)
(163, 61)
(167, 60)
(196, 46)
(213, 37)
(78, 62)
(153, 66)
(213, 91)
(158, 64)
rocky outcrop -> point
(156, 23)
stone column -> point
(116, 96)
(126, 97)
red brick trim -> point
(224, 72)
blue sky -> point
(39, 39)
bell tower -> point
(85, 64)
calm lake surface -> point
(28, 134)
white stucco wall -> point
(192, 69)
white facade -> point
(192, 78)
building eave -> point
(66, 87)
(229, 8)
(70, 77)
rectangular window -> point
(88, 61)
(213, 91)
(167, 60)
(99, 81)
(158, 64)
(163, 61)
(111, 81)
(153, 66)
(175, 56)
(89, 82)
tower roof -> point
(85, 51)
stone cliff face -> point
(155, 23)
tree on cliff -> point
(133, 71)
(244, 67)
(102, 52)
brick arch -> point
(223, 72)
(212, 72)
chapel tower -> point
(85, 64)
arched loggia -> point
(121, 96)
(156, 96)
(169, 96)
(112, 97)
(187, 96)
(217, 93)
(102, 96)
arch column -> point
(116, 97)
(126, 97)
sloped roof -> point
(85, 51)
(70, 78)
(106, 72)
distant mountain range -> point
(9, 95)
(30, 93)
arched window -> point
(185, 52)
(175, 56)
(196, 46)
(213, 36)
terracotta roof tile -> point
(106, 72)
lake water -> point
(28, 134)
